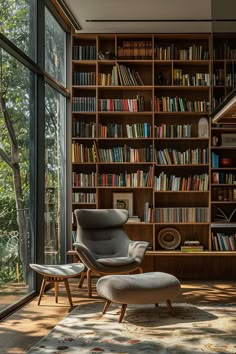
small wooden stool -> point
(56, 274)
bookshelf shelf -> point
(171, 67)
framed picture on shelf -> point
(123, 201)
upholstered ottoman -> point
(145, 288)
(56, 273)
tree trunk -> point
(21, 220)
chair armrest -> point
(85, 255)
(137, 250)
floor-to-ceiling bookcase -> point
(141, 139)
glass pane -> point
(55, 41)
(17, 23)
(54, 162)
(16, 193)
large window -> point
(54, 163)
(32, 140)
(17, 23)
(16, 121)
(55, 53)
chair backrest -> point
(101, 230)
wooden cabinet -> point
(136, 105)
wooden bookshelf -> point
(224, 66)
(135, 130)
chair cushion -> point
(59, 270)
(101, 218)
(115, 262)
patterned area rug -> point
(145, 329)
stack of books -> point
(192, 246)
(133, 218)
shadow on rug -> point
(145, 328)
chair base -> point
(56, 281)
(124, 306)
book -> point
(192, 248)
(222, 216)
(191, 243)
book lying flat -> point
(221, 215)
(191, 248)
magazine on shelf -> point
(221, 215)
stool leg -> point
(123, 309)
(170, 308)
(107, 304)
(56, 285)
(83, 275)
(42, 290)
(68, 291)
(89, 282)
(140, 270)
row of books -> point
(121, 75)
(139, 130)
(114, 130)
(161, 104)
(173, 131)
(84, 179)
(194, 52)
(170, 156)
(179, 104)
(135, 49)
(172, 52)
(223, 178)
(79, 197)
(225, 51)
(196, 79)
(170, 215)
(148, 215)
(83, 104)
(84, 52)
(223, 242)
(165, 182)
(121, 104)
(136, 179)
(125, 154)
(84, 78)
(83, 153)
(215, 160)
(83, 129)
(223, 194)
(216, 101)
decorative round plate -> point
(169, 238)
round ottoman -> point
(145, 288)
(57, 273)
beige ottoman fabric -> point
(145, 288)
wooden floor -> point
(25, 327)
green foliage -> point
(15, 22)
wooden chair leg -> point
(42, 290)
(68, 291)
(56, 285)
(89, 282)
(123, 309)
(170, 308)
(106, 306)
(140, 270)
(82, 277)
